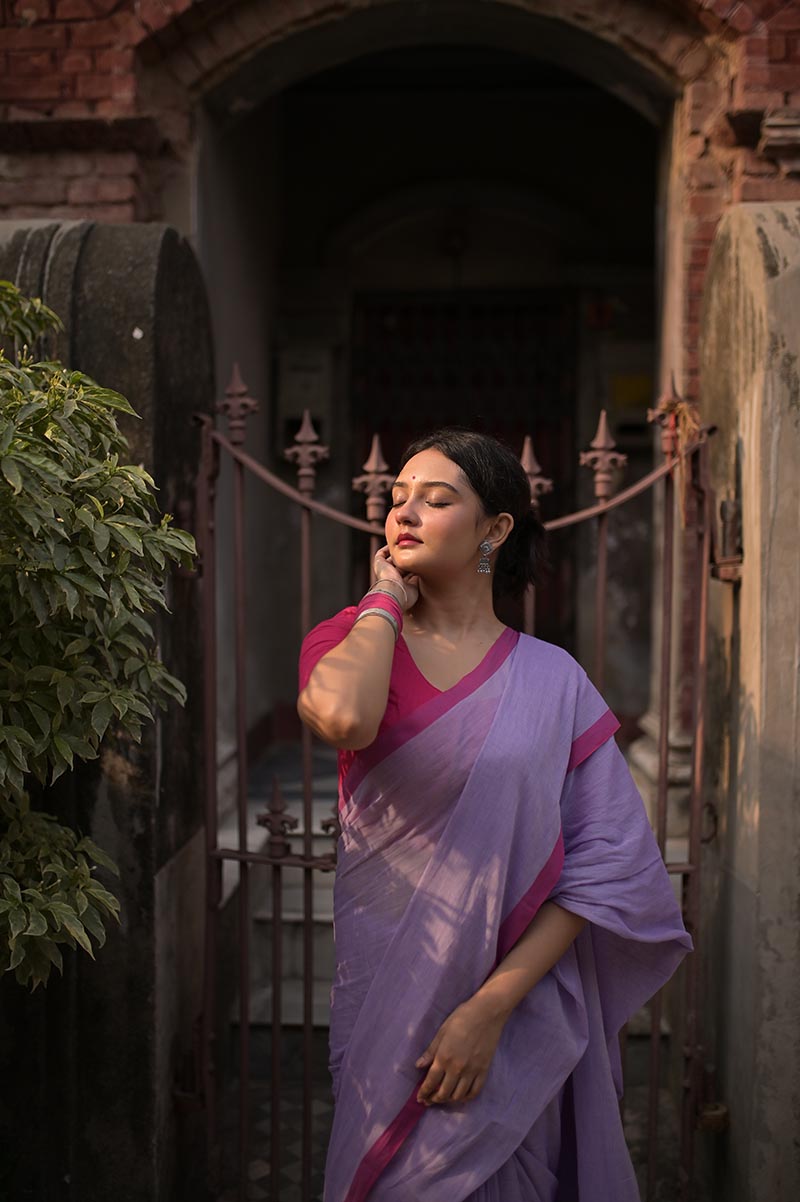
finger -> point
(461, 1090)
(475, 1088)
(445, 1090)
(433, 1080)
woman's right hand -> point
(386, 571)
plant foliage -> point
(84, 559)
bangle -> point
(387, 602)
(382, 613)
(380, 587)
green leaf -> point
(101, 716)
(77, 646)
(11, 473)
(97, 854)
(76, 930)
(101, 537)
(63, 748)
(37, 925)
(65, 691)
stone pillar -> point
(750, 386)
(93, 1072)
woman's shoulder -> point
(322, 638)
(556, 658)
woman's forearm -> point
(541, 946)
(345, 698)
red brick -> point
(123, 87)
(769, 189)
(122, 163)
(75, 10)
(74, 108)
(777, 47)
(33, 191)
(117, 31)
(33, 37)
(31, 62)
(40, 10)
(757, 75)
(756, 46)
(793, 49)
(114, 109)
(115, 62)
(784, 76)
(786, 18)
(76, 62)
(705, 204)
(38, 87)
(706, 173)
(741, 19)
(93, 87)
(101, 190)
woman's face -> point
(436, 522)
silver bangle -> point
(383, 614)
(380, 587)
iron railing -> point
(686, 459)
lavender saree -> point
(457, 823)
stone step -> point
(291, 1004)
(292, 944)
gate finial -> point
(603, 459)
(306, 453)
(277, 822)
(376, 481)
(539, 483)
(237, 405)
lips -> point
(408, 540)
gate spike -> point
(539, 483)
(375, 482)
(603, 459)
(375, 462)
(237, 405)
(306, 453)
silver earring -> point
(484, 567)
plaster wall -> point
(751, 389)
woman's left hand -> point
(459, 1055)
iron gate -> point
(683, 480)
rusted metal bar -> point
(604, 461)
(237, 406)
(693, 1062)
(668, 447)
(375, 484)
(206, 495)
(306, 453)
(539, 485)
(278, 822)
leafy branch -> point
(84, 559)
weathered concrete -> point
(90, 1074)
(751, 387)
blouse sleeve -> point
(322, 639)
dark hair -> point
(497, 476)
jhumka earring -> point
(484, 567)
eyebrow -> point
(428, 484)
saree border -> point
(430, 711)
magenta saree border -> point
(391, 1140)
(403, 730)
(592, 738)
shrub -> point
(84, 559)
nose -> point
(406, 514)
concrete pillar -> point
(750, 386)
(92, 1070)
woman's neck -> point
(454, 611)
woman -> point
(500, 904)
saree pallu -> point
(457, 823)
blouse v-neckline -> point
(497, 645)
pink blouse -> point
(408, 688)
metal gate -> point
(683, 482)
